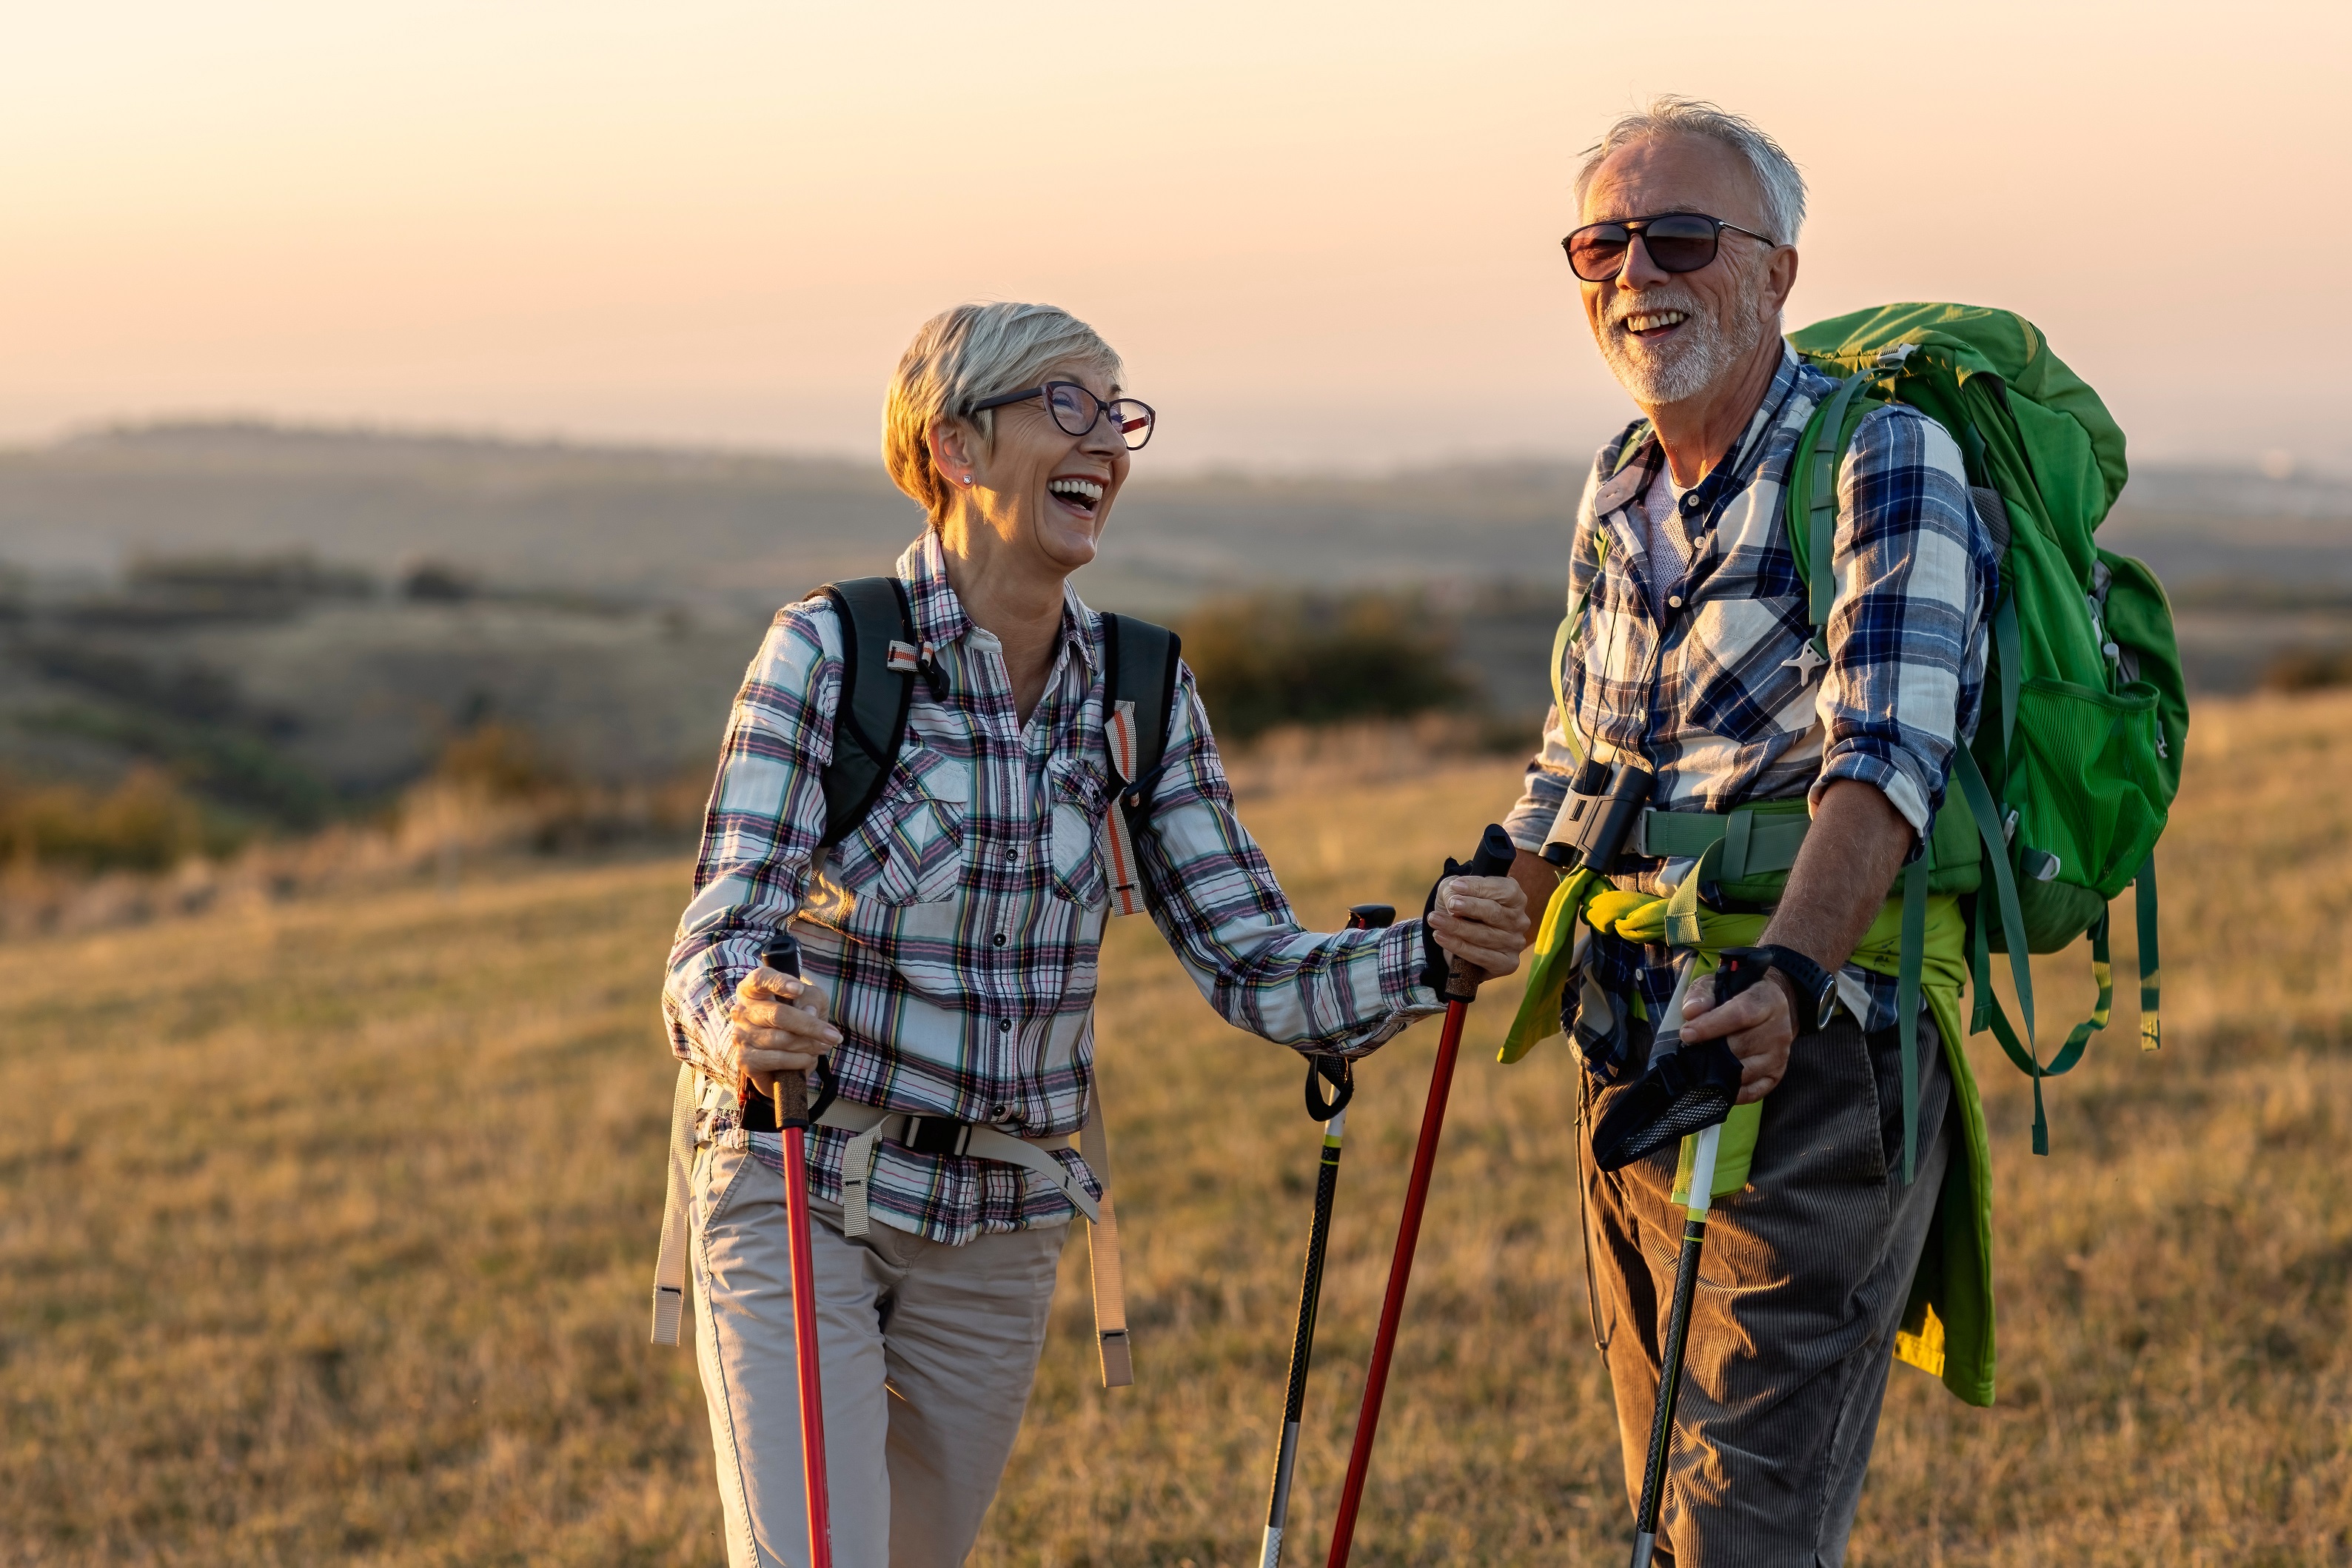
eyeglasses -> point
(1677, 242)
(1077, 411)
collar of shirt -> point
(1722, 482)
(939, 616)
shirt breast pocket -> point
(1081, 800)
(1745, 683)
(910, 848)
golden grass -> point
(326, 1229)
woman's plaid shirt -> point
(956, 930)
(1723, 696)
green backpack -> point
(2077, 756)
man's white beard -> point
(1703, 351)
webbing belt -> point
(936, 1136)
(1754, 843)
(869, 1126)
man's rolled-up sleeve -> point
(1916, 577)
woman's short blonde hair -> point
(967, 355)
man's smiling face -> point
(1670, 336)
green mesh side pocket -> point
(2106, 806)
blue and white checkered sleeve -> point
(761, 829)
(1906, 642)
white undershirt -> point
(1663, 537)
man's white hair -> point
(967, 355)
(1667, 115)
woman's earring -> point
(967, 479)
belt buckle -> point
(940, 1135)
(1638, 841)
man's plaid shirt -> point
(1717, 697)
(956, 930)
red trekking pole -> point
(1495, 853)
(783, 956)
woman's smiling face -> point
(1038, 487)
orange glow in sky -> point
(1321, 234)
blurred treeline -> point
(207, 780)
(1270, 659)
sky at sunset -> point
(1322, 235)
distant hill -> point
(295, 617)
(749, 529)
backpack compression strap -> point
(880, 654)
(1139, 703)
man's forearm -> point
(1537, 876)
(1848, 862)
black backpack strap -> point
(1140, 667)
(1139, 705)
(875, 692)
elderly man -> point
(1691, 661)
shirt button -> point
(1002, 1024)
(998, 939)
(999, 1112)
(1674, 601)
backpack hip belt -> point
(870, 1125)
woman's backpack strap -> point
(880, 656)
(1139, 682)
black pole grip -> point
(1495, 856)
(1497, 853)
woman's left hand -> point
(1483, 921)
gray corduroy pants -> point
(1801, 1288)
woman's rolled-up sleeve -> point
(761, 829)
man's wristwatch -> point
(1815, 988)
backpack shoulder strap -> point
(1140, 667)
(1812, 495)
(877, 686)
(1139, 705)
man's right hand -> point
(777, 1024)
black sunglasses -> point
(1077, 411)
(1677, 242)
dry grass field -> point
(326, 1230)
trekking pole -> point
(1730, 980)
(1495, 853)
(791, 1092)
(1333, 1114)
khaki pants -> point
(1801, 1288)
(929, 1353)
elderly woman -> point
(950, 952)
